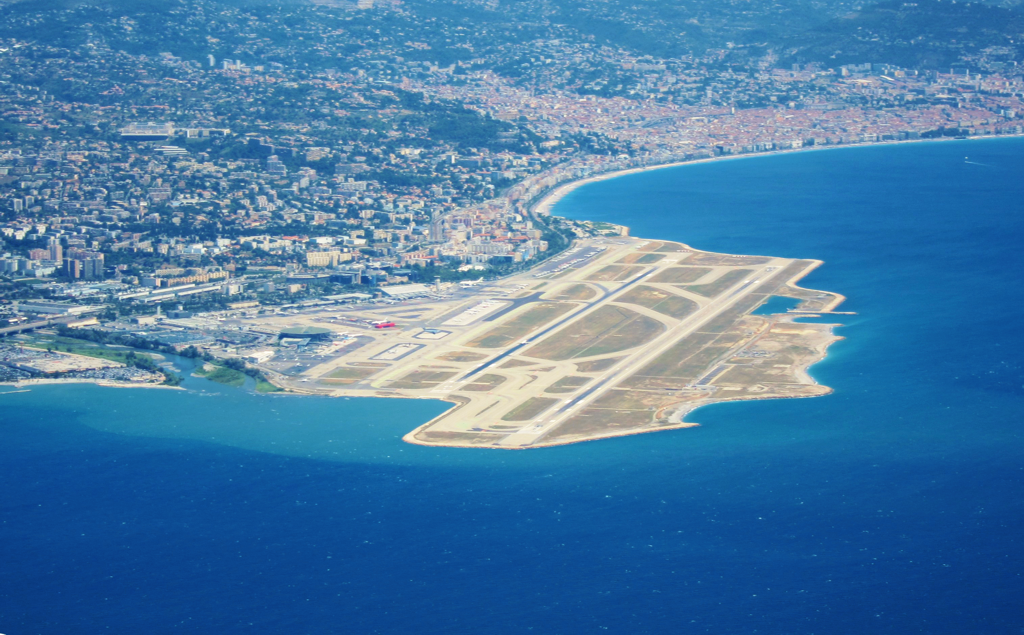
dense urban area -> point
(163, 165)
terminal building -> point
(406, 291)
(311, 333)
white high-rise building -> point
(56, 251)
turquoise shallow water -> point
(891, 506)
(778, 304)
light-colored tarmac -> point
(491, 385)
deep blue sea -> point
(894, 505)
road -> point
(28, 326)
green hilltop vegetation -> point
(931, 34)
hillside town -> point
(167, 180)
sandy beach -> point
(544, 205)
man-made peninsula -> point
(616, 336)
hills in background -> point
(925, 35)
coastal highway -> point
(545, 422)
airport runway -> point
(529, 435)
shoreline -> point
(549, 200)
(678, 421)
(42, 381)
